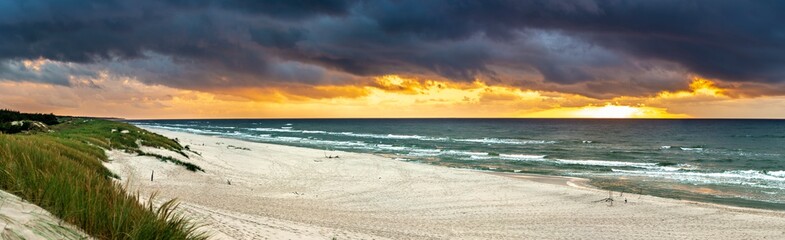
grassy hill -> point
(61, 171)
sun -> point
(610, 111)
(607, 111)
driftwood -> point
(608, 200)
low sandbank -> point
(264, 191)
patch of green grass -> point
(99, 132)
(63, 173)
(187, 165)
(119, 135)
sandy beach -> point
(20, 219)
(263, 191)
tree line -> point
(10, 115)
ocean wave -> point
(289, 129)
(309, 141)
(422, 154)
(759, 136)
(695, 149)
(219, 127)
(739, 177)
(313, 131)
(274, 130)
(426, 150)
(777, 173)
(606, 163)
(191, 130)
(391, 147)
(380, 136)
(691, 148)
(467, 153)
(522, 157)
(337, 143)
(503, 141)
(174, 124)
(289, 139)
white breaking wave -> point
(191, 130)
(390, 147)
(382, 136)
(691, 149)
(309, 131)
(777, 173)
(476, 157)
(288, 129)
(422, 154)
(457, 152)
(522, 157)
(741, 177)
(606, 163)
(274, 130)
(183, 125)
(220, 127)
(503, 141)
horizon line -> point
(425, 118)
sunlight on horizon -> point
(607, 111)
(614, 111)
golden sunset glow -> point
(607, 111)
(383, 96)
(698, 87)
(387, 96)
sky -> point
(148, 59)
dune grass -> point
(99, 132)
(62, 172)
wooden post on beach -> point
(640, 193)
(151, 175)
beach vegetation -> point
(10, 116)
(62, 171)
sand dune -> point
(280, 192)
(23, 220)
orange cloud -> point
(386, 96)
(698, 87)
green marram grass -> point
(62, 172)
(108, 134)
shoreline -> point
(569, 181)
(583, 183)
(574, 181)
(549, 179)
(291, 191)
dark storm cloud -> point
(287, 9)
(47, 72)
(734, 40)
(603, 45)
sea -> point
(730, 162)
